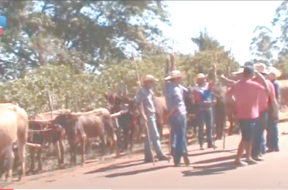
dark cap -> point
(248, 64)
(248, 70)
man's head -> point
(248, 72)
(149, 81)
(201, 79)
(175, 76)
(261, 68)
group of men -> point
(254, 93)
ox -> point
(284, 92)
(82, 125)
(43, 133)
(13, 129)
(128, 123)
(161, 113)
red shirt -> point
(264, 99)
(246, 93)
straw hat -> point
(273, 70)
(174, 74)
(148, 78)
(200, 76)
(261, 68)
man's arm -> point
(263, 82)
(228, 82)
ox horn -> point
(116, 115)
(33, 145)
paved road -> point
(209, 169)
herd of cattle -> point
(17, 130)
(38, 132)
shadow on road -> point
(117, 166)
(211, 169)
(223, 158)
(120, 174)
(212, 152)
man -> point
(246, 94)
(272, 130)
(145, 96)
(264, 107)
(205, 99)
(174, 94)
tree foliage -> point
(76, 32)
(210, 52)
(269, 47)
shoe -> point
(277, 150)
(250, 161)
(176, 162)
(201, 147)
(240, 163)
(163, 157)
(269, 150)
(186, 160)
(258, 158)
(212, 146)
(147, 160)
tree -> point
(263, 44)
(96, 32)
(210, 52)
(268, 47)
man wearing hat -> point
(272, 130)
(246, 94)
(174, 94)
(264, 101)
(205, 99)
(146, 96)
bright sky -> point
(231, 23)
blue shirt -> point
(174, 95)
(206, 96)
(277, 89)
(146, 96)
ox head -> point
(65, 120)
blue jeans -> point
(272, 135)
(178, 137)
(154, 137)
(259, 139)
(206, 117)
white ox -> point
(13, 129)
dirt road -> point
(209, 169)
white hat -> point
(174, 74)
(273, 70)
(150, 78)
(260, 68)
(200, 76)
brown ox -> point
(129, 125)
(82, 125)
(284, 92)
(43, 133)
(50, 115)
(13, 129)
(161, 113)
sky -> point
(231, 23)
